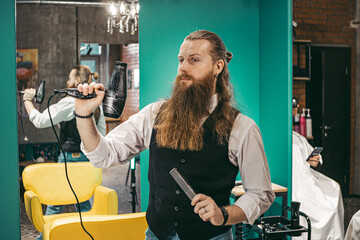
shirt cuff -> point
(250, 208)
(99, 154)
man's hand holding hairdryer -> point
(29, 94)
(85, 107)
(89, 134)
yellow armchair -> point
(45, 183)
(125, 226)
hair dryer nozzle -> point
(115, 96)
(40, 92)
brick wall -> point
(130, 55)
(327, 22)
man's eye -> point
(194, 60)
(181, 60)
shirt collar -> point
(213, 102)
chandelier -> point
(123, 15)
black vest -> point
(208, 171)
(69, 136)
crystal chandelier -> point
(123, 15)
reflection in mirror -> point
(65, 36)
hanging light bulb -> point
(112, 10)
(127, 23)
(137, 8)
(122, 7)
(135, 24)
(132, 32)
(123, 14)
(109, 27)
(132, 10)
(121, 25)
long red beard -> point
(178, 123)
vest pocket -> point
(156, 198)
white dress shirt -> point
(60, 112)
(246, 151)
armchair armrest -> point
(110, 227)
(34, 210)
(105, 201)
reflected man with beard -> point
(198, 132)
(62, 113)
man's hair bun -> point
(228, 56)
(95, 75)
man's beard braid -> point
(178, 123)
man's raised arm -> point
(90, 136)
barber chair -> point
(125, 226)
(45, 183)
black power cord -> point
(66, 172)
(23, 131)
(25, 137)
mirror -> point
(65, 35)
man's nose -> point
(183, 66)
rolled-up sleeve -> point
(126, 140)
(61, 111)
(247, 151)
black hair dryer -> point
(40, 92)
(115, 92)
(294, 210)
(294, 213)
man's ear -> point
(219, 66)
(77, 81)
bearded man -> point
(198, 132)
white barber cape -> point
(320, 196)
(353, 230)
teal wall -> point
(164, 25)
(245, 26)
(9, 177)
(276, 87)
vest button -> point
(175, 224)
(176, 208)
(182, 160)
(177, 192)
